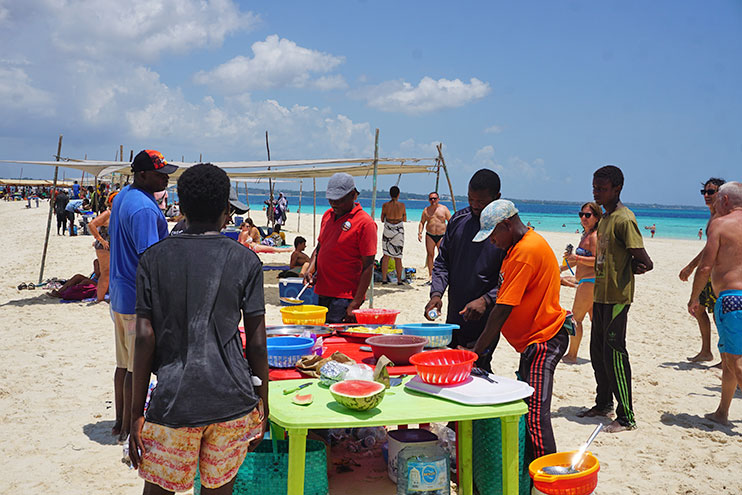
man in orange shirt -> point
(528, 314)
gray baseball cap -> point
(238, 205)
(339, 185)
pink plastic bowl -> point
(374, 316)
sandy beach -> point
(56, 373)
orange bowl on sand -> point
(580, 483)
(444, 366)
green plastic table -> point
(399, 407)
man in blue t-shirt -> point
(74, 206)
(136, 223)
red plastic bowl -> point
(398, 348)
(445, 366)
(374, 316)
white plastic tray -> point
(475, 390)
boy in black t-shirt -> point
(210, 405)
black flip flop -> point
(30, 286)
(22, 286)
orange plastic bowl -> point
(445, 366)
(376, 316)
(582, 483)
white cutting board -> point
(475, 390)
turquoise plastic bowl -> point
(438, 334)
(284, 352)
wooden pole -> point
(247, 196)
(448, 179)
(437, 173)
(314, 213)
(373, 210)
(200, 158)
(376, 167)
(298, 210)
(52, 198)
(271, 219)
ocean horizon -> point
(671, 221)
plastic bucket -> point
(399, 439)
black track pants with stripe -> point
(610, 360)
(537, 365)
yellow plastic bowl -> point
(306, 314)
(582, 483)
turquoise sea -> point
(681, 222)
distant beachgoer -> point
(99, 228)
(721, 259)
(275, 238)
(468, 270)
(708, 296)
(343, 261)
(393, 215)
(584, 261)
(78, 284)
(136, 223)
(75, 191)
(700, 234)
(564, 225)
(210, 405)
(620, 256)
(282, 207)
(74, 206)
(299, 262)
(249, 232)
(433, 221)
(652, 229)
(60, 205)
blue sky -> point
(542, 92)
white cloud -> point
(494, 129)
(143, 29)
(276, 63)
(412, 149)
(428, 96)
(514, 167)
(18, 93)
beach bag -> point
(80, 292)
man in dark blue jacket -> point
(470, 270)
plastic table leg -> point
(464, 458)
(297, 451)
(510, 454)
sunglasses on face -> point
(585, 214)
(708, 192)
(432, 199)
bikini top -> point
(583, 252)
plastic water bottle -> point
(433, 314)
(420, 470)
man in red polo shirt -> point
(343, 261)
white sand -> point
(56, 375)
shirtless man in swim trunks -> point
(722, 260)
(393, 215)
(433, 221)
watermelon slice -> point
(302, 400)
(359, 395)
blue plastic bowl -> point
(438, 334)
(284, 352)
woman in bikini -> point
(583, 259)
(99, 228)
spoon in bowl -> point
(576, 459)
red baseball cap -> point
(152, 160)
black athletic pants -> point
(61, 222)
(537, 365)
(71, 218)
(610, 360)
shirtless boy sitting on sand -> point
(722, 259)
(436, 216)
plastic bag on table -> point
(359, 371)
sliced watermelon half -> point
(359, 395)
